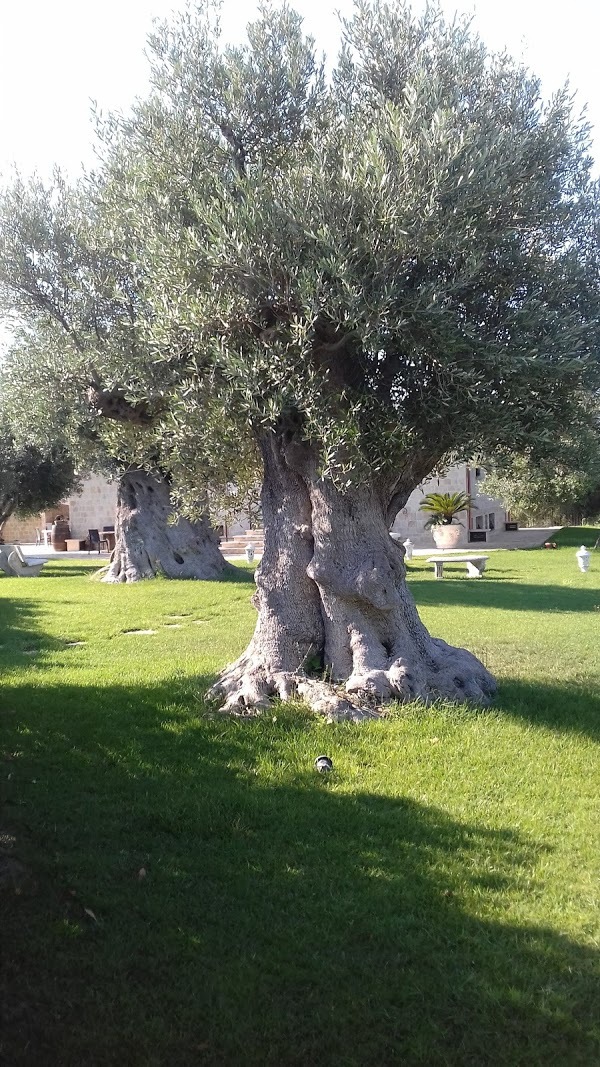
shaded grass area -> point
(184, 889)
(577, 535)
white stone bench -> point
(475, 564)
(16, 565)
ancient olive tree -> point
(79, 299)
(375, 274)
(372, 276)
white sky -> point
(57, 55)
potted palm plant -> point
(443, 509)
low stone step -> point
(240, 552)
(253, 537)
(237, 545)
(248, 535)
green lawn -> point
(179, 888)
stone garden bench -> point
(475, 564)
(16, 565)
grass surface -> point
(180, 888)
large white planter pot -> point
(446, 536)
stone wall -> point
(490, 513)
(94, 507)
(410, 522)
(23, 531)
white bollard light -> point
(250, 552)
(583, 558)
(408, 548)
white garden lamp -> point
(250, 552)
(583, 558)
(408, 548)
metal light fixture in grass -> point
(323, 764)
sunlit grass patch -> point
(182, 887)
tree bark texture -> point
(8, 504)
(337, 624)
(148, 542)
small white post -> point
(250, 552)
(583, 558)
(408, 548)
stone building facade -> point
(488, 516)
(91, 509)
(94, 507)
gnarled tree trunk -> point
(147, 543)
(337, 624)
(8, 504)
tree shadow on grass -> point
(574, 536)
(568, 708)
(235, 920)
(508, 596)
(243, 573)
(69, 569)
(20, 635)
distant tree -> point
(78, 298)
(32, 479)
(560, 485)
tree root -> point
(444, 673)
(447, 673)
(249, 688)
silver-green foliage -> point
(404, 258)
(399, 262)
(75, 290)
